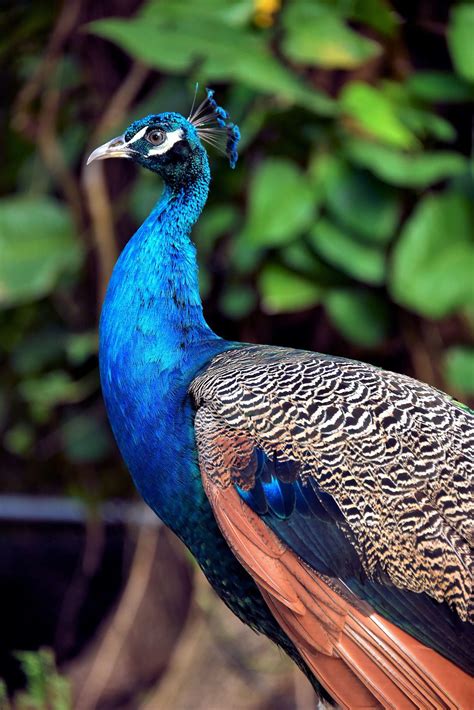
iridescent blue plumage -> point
(322, 462)
(153, 341)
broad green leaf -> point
(323, 166)
(214, 223)
(362, 261)
(37, 351)
(85, 439)
(300, 257)
(19, 439)
(143, 196)
(459, 369)
(234, 13)
(45, 392)
(53, 388)
(143, 40)
(377, 14)
(442, 87)
(238, 300)
(317, 35)
(460, 39)
(433, 262)
(395, 98)
(281, 203)
(245, 256)
(284, 291)
(360, 315)
(205, 281)
(81, 346)
(375, 113)
(405, 169)
(37, 246)
(364, 204)
(426, 123)
(225, 52)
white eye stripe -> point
(170, 140)
(138, 135)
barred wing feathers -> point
(363, 476)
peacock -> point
(328, 502)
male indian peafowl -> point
(327, 502)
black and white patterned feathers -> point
(394, 457)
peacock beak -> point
(116, 148)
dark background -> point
(347, 227)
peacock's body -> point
(327, 502)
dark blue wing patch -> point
(278, 489)
(313, 526)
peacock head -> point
(171, 145)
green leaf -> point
(377, 14)
(323, 166)
(19, 439)
(425, 123)
(364, 204)
(298, 256)
(38, 350)
(143, 196)
(85, 439)
(281, 204)
(284, 291)
(362, 261)
(459, 369)
(236, 13)
(405, 169)
(214, 223)
(245, 256)
(443, 87)
(460, 39)
(318, 36)
(223, 51)
(359, 315)
(433, 261)
(37, 246)
(238, 300)
(375, 113)
(44, 686)
(81, 346)
(53, 388)
(163, 49)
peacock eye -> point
(155, 136)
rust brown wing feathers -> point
(363, 660)
(392, 462)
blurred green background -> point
(347, 227)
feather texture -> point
(394, 455)
(327, 502)
(365, 475)
(363, 660)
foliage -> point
(46, 689)
(348, 220)
(37, 246)
(459, 364)
(433, 261)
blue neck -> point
(155, 282)
(153, 339)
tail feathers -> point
(365, 661)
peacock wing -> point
(333, 479)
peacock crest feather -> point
(213, 126)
